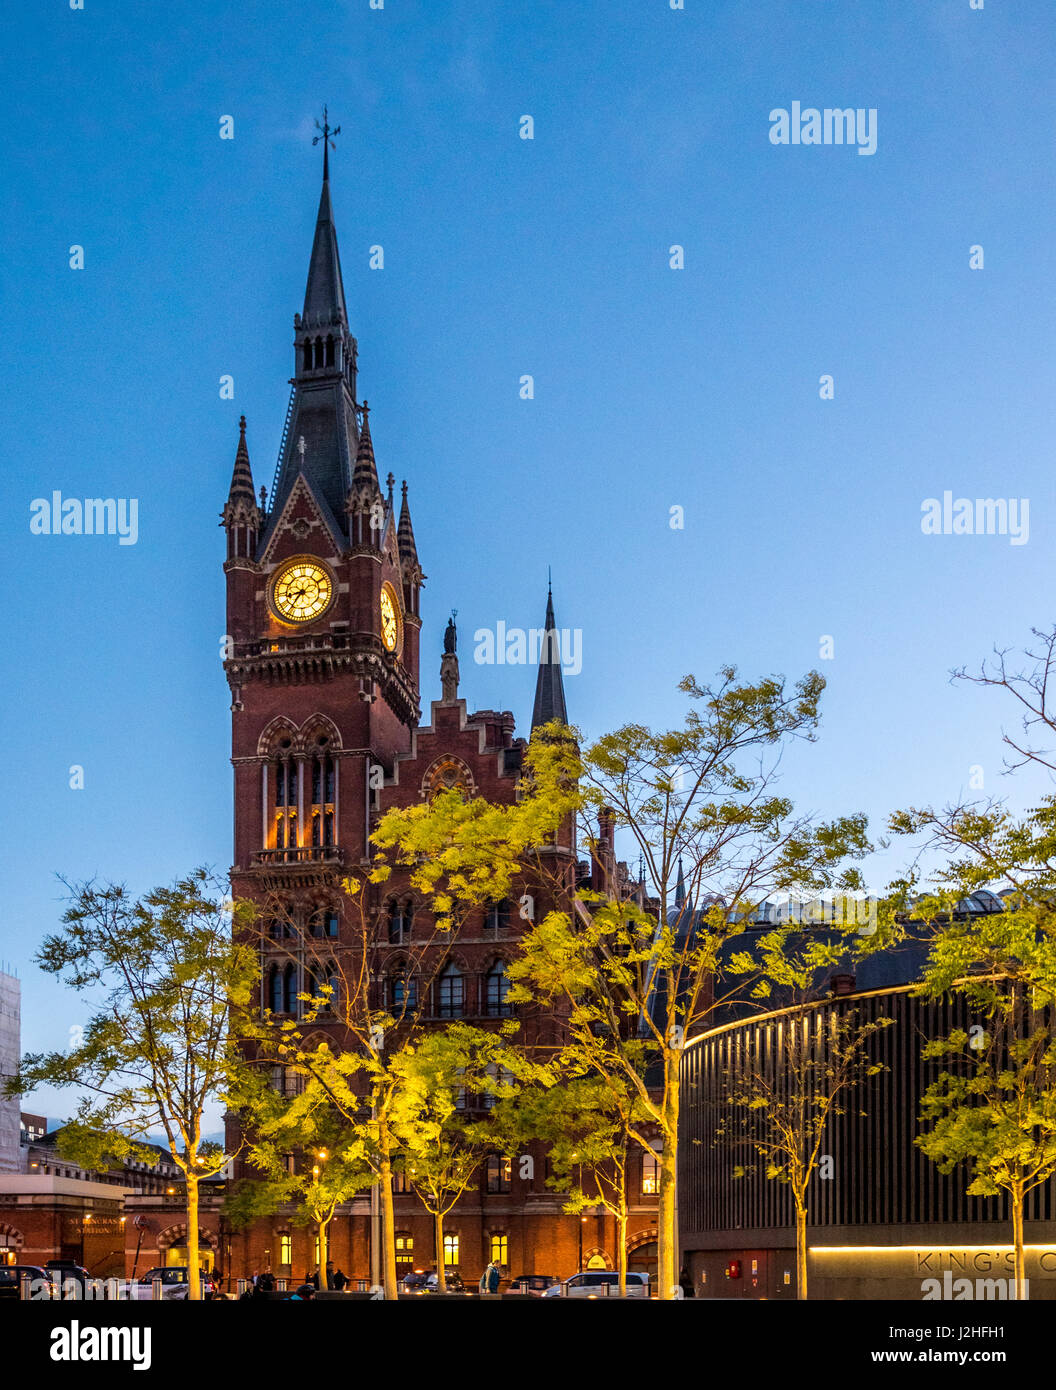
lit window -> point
(450, 1250)
(499, 1174)
(404, 1249)
(650, 1175)
(500, 1250)
(285, 1250)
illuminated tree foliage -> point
(168, 987)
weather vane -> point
(326, 135)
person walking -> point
(338, 1280)
(490, 1279)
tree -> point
(780, 1105)
(442, 1144)
(996, 1110)
(307, 1157)
(169, 986)
(992, 1108)
(698, 803)
(588, 1124)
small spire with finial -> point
(326, 135)
(390, 483)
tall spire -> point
(322, 409)
(549, 686)
(324, 295)
(680, 886)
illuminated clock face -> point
(390, 623)
(302, 590)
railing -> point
(282, 447)
(305, 854)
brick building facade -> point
(323, 626)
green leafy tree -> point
(590, 1125)
(994, 1109)
(168, 986)
(442, 1138)
(459, 855)
(780, 1102)
(699, 803)
(991, 1108)
(308, 1158)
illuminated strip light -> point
(834, 1250)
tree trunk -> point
(324, 1248)
(621, 1247)
(438, 1241)
(666, 1217)
(1019, 1268)
(194, 1290)
(801, 1251)
(388, 1220)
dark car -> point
(11, 1278)
(452, 1280)
(67, 1269)
(536, 1284)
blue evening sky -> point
(654, 388)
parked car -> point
(11, 1278)
(600, 1283)
(452, 1279)
(536, 1284)
(174, 1282)
(68, 1269)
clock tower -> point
(323, 584)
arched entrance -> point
(173, 1250)
(642, 1255)
(11, 1242)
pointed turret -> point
(365, 473)
(242, 476)
(241, 516)
(549, 686)
(405, 533)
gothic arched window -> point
(285, 798)
(322, 778)
(403, 992)
(401, 920)
(451, 992)
(289, 990)
(329, 351)
(275, 990)
(496, 987)
(307, 356)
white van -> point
(600, 1283)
